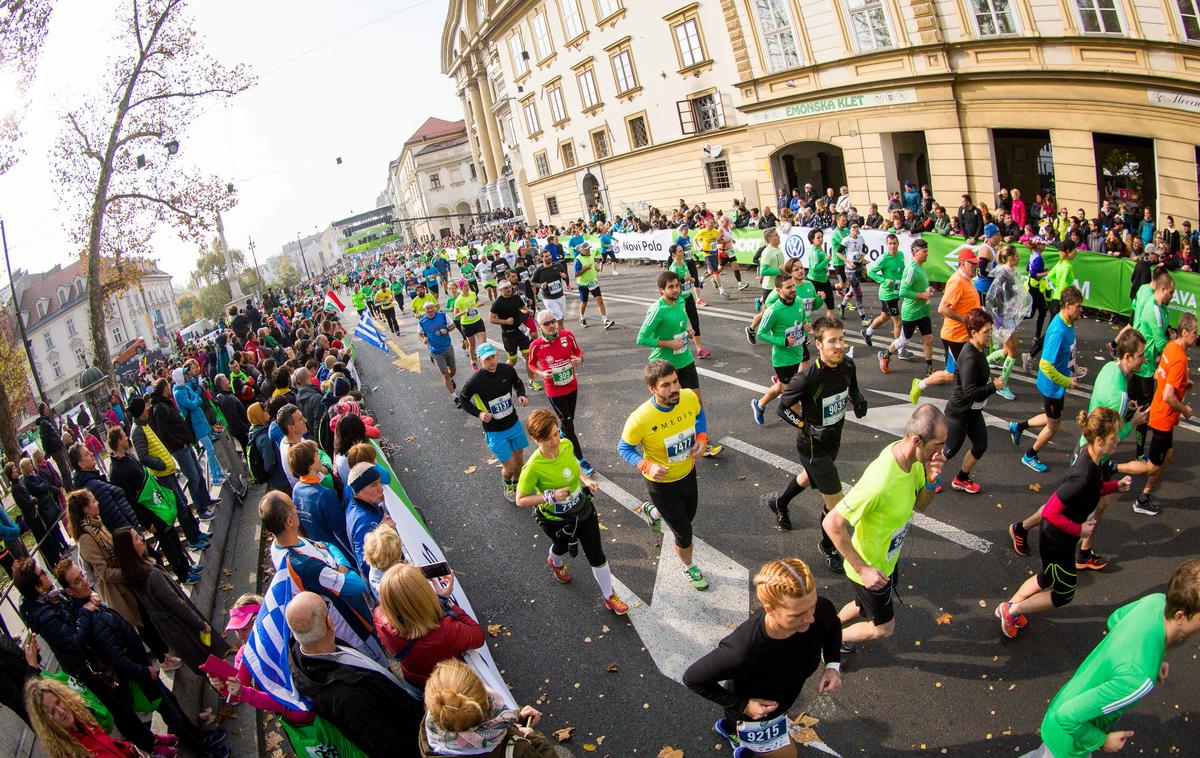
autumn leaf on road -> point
(805, 735)
(226, 586)
(469, 470)
(564, 734)
(944, 619)
(670, 752)
(410, 438)
(804, 720)
(227, 571)
(495, 629)
(611, 668)
(1035, 487)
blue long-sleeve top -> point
(630, 452)
(8, 529)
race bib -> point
(833, 408)
(897, 542)
(523, 330)
(472, 312)
(795, 332)
(683, 347)
(562, 374)
(500, 407)
(764, 736)
(571, 504)
(679, 446)
(686, 288)
(592, 285)
(554, 288)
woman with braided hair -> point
(757, 672)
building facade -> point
(630, 104)
(54, 307)
(435, 176)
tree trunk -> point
(8, 428)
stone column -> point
(471, 140)
(481, 128)
(496, 138)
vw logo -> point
(793, 246)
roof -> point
(434, 128)
(445, 145)
(34, 287)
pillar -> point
(481, 129)
(493, 127)
(471, 138)
(1074, 169)
(1176, 180)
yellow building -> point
(630, 103)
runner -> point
(852, 256)
(959, 298)
(706, 243)
(1121, 670)
(915, 297)
(757, 672)
(466, 313)
(972, 387)
(671, 429)
(549, 279)
(487, 275)
(385, 303)
(823, 390)
(666, 330)
(837, 238)
(1008, 300)
(420, 297)
(686, 270)
(770, 262)
(805, 292)
(435, 333)
(725, 254)
(589, 286)
(1171, 385)
(693, 259)
(608, 250)
(1109, 391)
(1151, 319)
(784, 329)
(880, 509)
(554, 355)
(552, 484)
(816, 264)
(1054, 378)
(1066, 517)
(1057, 280)
(488, 396)
(887, 270)
(510, 313)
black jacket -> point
(972, 383)
(309, 400)
(115, 510)
(127, 473)
(268, 452)
(112, 639)
(235, 415)
(51, 441)
(970, 220)
(14, 671)
(52, 616)
(166, 421)
(377, 715)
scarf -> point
(95, 527)
(480, 740)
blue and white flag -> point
(369, 333)
(266, 651)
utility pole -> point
(307, 274)
(257, 273)
(37, 380)
(235, 287)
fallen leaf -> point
(410, 438)
(589, 747)
(587, 639)
(227, 572)
(469, 470)
(564, 734)
(495, 629)
(611, 668)
(277, 753)
(273, 740)
(491, 461)
(604, 628)
(226, 586)
(944, 619)
(983, 604)
(600, 740)
(805, 735)
(1035, 487)
(670, 752)
(805, 720)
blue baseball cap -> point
(485, 350)
(990, 230)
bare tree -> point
(23, 27)
(112, 160)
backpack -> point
(254, 462)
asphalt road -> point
(955, 688)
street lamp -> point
(257, 273)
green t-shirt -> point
(584, 278)
(358, 299)
(468, 270)
(667, 322)
(685, 287)
(1111, 391)
(816, 264)
(880, 507)
(398, 289)
(912, 283)
(781, 322)
(540, 474)
(467, 305)
(1150, 319)
(887, 270)
(806, 293)
(835, 243)
(1061, 276)
(769, 265)
(450, 301)
(1119, 672)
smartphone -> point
(436, 570)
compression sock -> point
(870, 331)
(604, 579)
(737, 274)
(1009, 364)
(558, 561)
(962, 476)
(921, 384)
(995, 356)
(789, 493)
(929, 366)
(1022, 426)
(827, 546)
(1139, 437)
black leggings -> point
(970, 426)
(584, 532)
(390, 315)
(689, 305)
(676, 503)
(826, 290)
(693, 271)
(1058, 574)
(564, 408)
(1040, 309)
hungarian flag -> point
(332, 303)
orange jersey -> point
(961, 296)
(1172, 370)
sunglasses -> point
(549, 323)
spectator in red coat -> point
(420, 627)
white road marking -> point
(920, 520)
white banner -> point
(795, 242)
(646, 245)
(655, 245)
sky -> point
(351, 79)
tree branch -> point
(168, 95)
(150, 199)
(88, 150)
(138, 135)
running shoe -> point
(725, 294)
(914, 392)
(510, 492)
(212, 738)
(700, 303)
(702, 353)
(650, 514)
(586, 467)
(560, 572)
(866, 335)
(849, 648)
(884, 362)
(1008, 622)
(609, 323)
(719, 728)
(1034, 463)
(1020, 539)
(1006, 393)
(1016, 433)
(835, 561)
(583, 321)
(1091, 561)
(1027, 363)
(194, 575)
(696, 578)
(1147, 505)
(760, 417)
(852, 307)
(782, 519)
(903, 354)
(967, 486)
(712, 451)
(616, 605)
(842, 311)
(743, 285)
(535, 385)
(750, 336)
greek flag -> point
(369, 333)
(266, 652)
